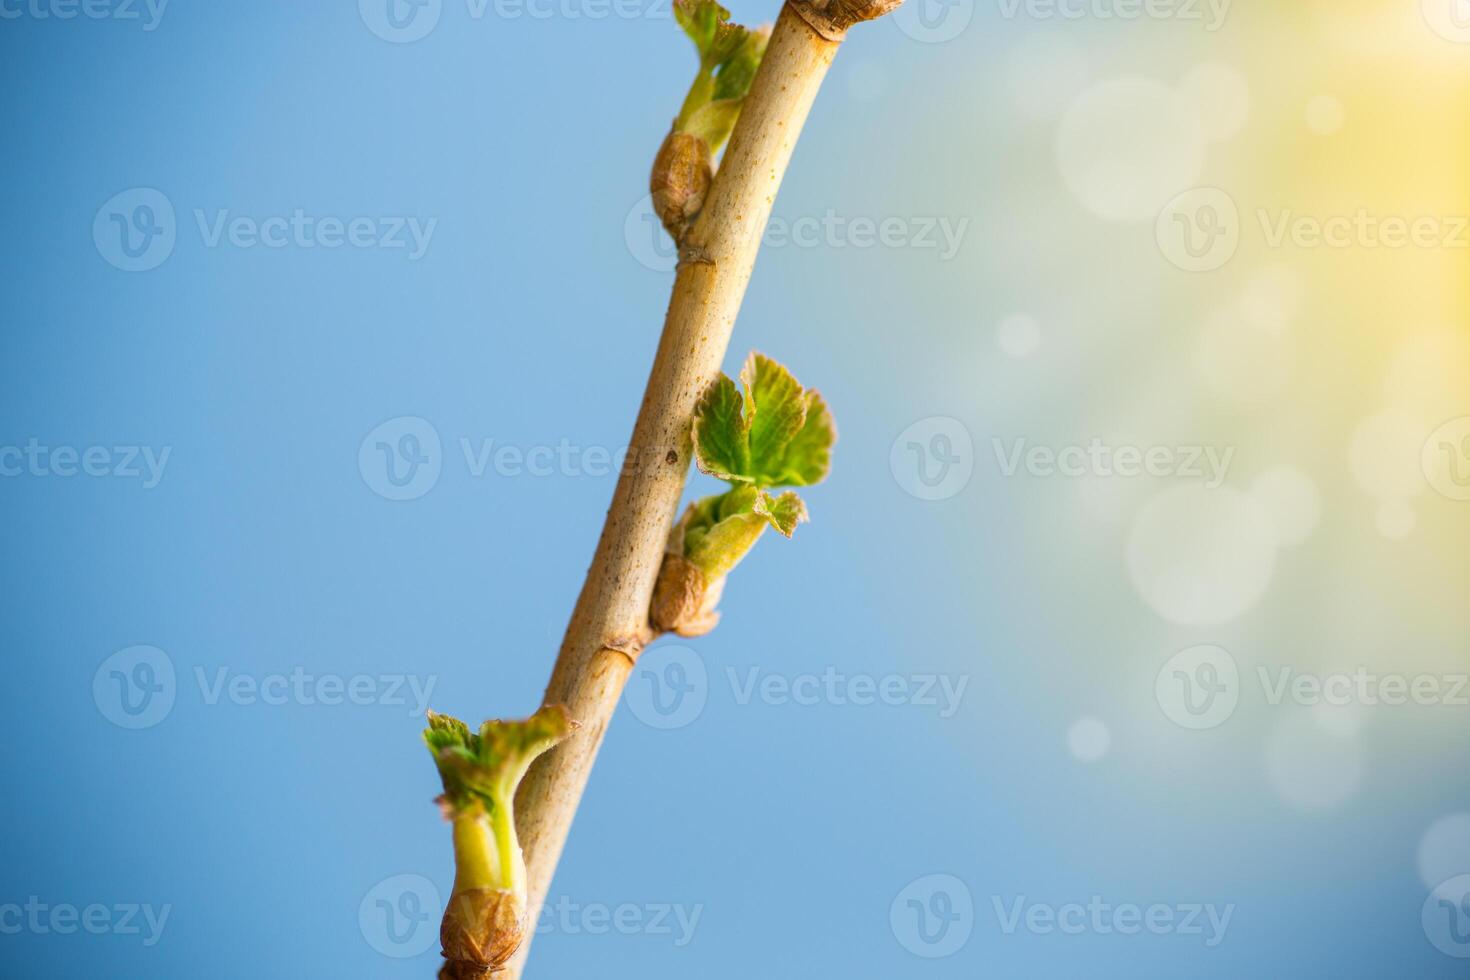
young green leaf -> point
(808, 455)
(701, 20)
(783, 512)
(485, 768)
(738, 71)
(778, 434)
(708, 25)
(775, 409)
(721, 437)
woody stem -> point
(609, 625)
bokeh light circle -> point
(1221, 96)
(1088, 739)
(1292, 501)
(1444, 850)
(1311, 768)
(1126, 147)
(1201, 557)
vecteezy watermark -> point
(566, 458)
(148, 13)
(137, 230)
(1098, 459)
(302, 687)
(145, 463)
(1363, 229)
(942, 692)
(570, 918)
(651, 247)
(1446, 459)
(1201, 687)
(933, 916)
(137, 687)
(1210, 14)
(933, 459)
(938, 233)
(1450, 19)
(399, 916)
(400, 21)
(1100, 918)
(302, 230)
(406, 21)
(1200, 230)
(1362, 686)
(670, 688)
(934, 21)
(572, 9)
(97, 919)
(1198, 687)
(1445, 917)
(403, 458)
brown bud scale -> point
(682, 173)
(832, 18)
(481, 931)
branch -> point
(609, 626)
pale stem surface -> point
(609, 625)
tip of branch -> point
(832, 18)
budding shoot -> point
(485, 920)
(684, 167)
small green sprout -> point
(728, 58)
(778, 434)
(485, 920)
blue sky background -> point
(794, 832)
